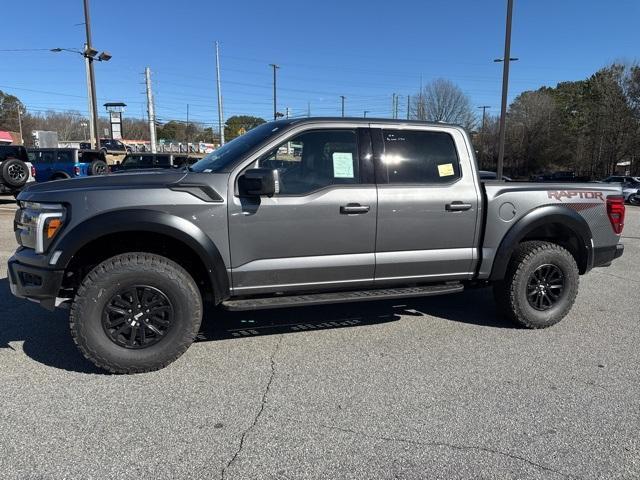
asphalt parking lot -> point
(433, 388)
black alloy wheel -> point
(137, 317)
(545, 287)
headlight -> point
(37, 224)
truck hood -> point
(145, 179)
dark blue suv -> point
(61, 163)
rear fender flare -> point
(539, 217)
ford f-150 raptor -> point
(302, 212)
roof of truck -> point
(364, 121)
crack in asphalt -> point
(441, 444)
(263, 404)
(616, 276)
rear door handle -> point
(354, 208)
(457, 206)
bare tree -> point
(530, 122)
(443, 101)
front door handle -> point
(457, 206)
(354, 208)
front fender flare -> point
(141, 220)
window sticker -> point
(342, 165)
(446, 170)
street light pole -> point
(92, 78)
(220, 113)
(151, 111)
(275, 108)
(342, 97)
(505, 88)
(365, 113)
(89, 54)
(92, 127)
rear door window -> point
(65, 156)
(47, 156)
(420, 157)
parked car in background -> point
(15, 169)
(630, 187)
(61, 163)
(565, 177)
(622, 179)
(487, 175)
(109, 145)
(143, 161)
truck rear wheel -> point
(135, 312)
(98, 167)
(540, 285)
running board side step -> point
(340, 297)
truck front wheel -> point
(540, 285)
(135, 312)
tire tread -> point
(132, 261)
(505, 291)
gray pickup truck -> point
(302, 212)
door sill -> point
(263, 303)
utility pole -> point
(482, 128)
(484, 116)
(151, 112)
(408, 106)
(286, 112)
(92, 77)
(308, 109)
(93, 129)
(186, 130)
(20, 125)
(393, 105)
(505, 88)
(220, 114)
(420, 109)
(342, 97)
(275, 110)
(395, 113)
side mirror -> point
(259, 181)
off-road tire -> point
(98, 167)
(100, 286)
(511, 293)
(14, 172)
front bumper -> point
(603, 256)
(33, 283)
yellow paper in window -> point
(445, 170)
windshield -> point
(221, 158)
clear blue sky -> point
(365, 50)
